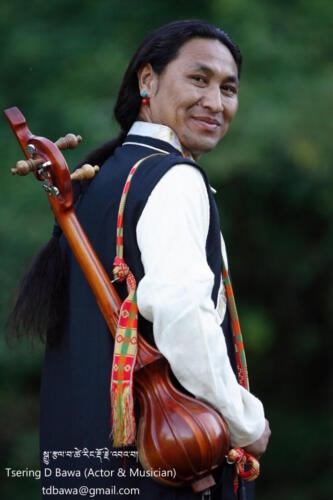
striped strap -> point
(125, 348)
(247, 466)
(243, 377)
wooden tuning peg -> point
(70, 141)
(85, 172)
(24, 167)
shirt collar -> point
(160, 132)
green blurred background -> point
(61, 64)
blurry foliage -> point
(62, 64)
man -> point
(178, 98)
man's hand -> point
(259, 447)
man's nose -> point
(212, 99)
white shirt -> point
(175, 293)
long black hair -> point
(41, 302)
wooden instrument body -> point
(176, 432)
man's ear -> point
(147, 79)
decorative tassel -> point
(123, 421)
(124, 357)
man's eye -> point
(229, 89)
(199, 79)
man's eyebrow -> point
(210, 71)
(232, 79)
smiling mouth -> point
(207, 122)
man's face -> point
(196, 95)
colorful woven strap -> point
(125, 346)
(243, 377)
(246, 466)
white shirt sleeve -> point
(175, 295)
